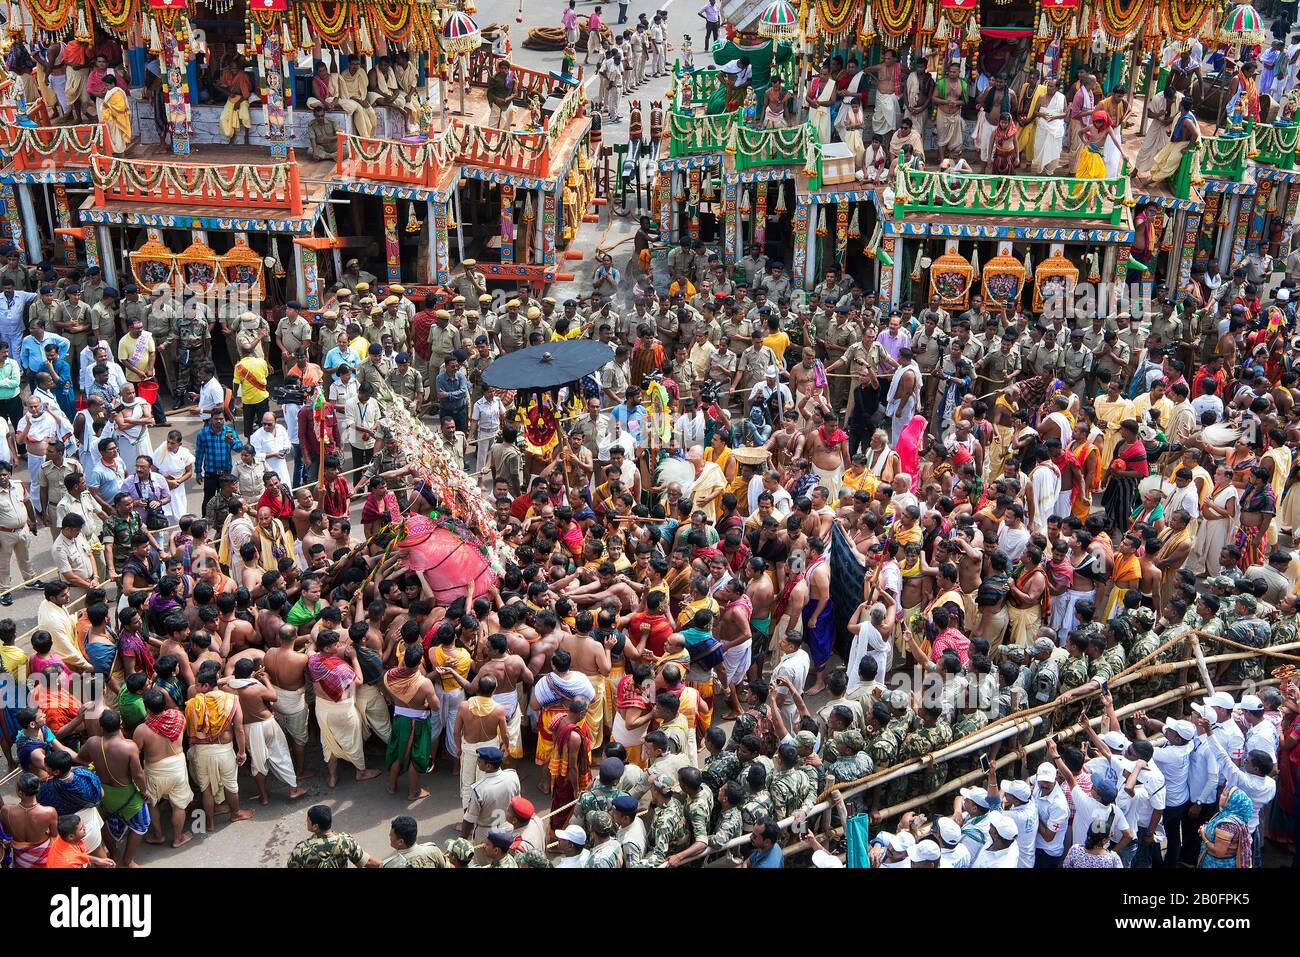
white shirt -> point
(1174, 762)
(1259, 789)
(1231, 742)
(273, 448)
(1148, 796)
(689, 429)
(1207, 403)
(954, 858)
(488, 412)
(868, 641)
(577, 860)
(1263, 737)
(1026, 818)
(1008, 857)
(1087, 809)
(1012, 542)
(1202, 772)
(291, 422)
(794, 666)
(211, 396)
(1054, 813)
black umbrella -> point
(548, 365)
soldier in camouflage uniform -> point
(699, 804)
(790, 788)
(848, 757)
(882, 742)
(607, 852)
(1147, 643)
(805, 743)
(600, 796)
(1074, 674)
(902, 718)
(325, 848)
(934, 733)
(720, 765)
(670, 831)
(1248, 629)
(731, 821)
(757, 806)
(1287, 627)
(402, 836)
(191, 337)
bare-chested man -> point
(31, 825)
(317, 532)
(270, 619)
(414, 700)
(591, 656)
(268, 747)
(286, 667)
(215, 724)
(786, 444)
(125, 806)
(761, 591)
(160, 738)
(304, 506)
(480, 723)
(235, 634)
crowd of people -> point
(1060, 519)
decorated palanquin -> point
(950, 280)
(1055, 278)
(1003, 281)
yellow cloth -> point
(1025, 138)
(1110, 415)
(1091, 165)
(206, 715)
(457, 658)
(710, 483)
(234, 117)
(248, 369)
(342, 733)
(115, 111)
(15, 662)
(1164, 410)
(1281, 456)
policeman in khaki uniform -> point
(1042, 354)
(73, 321)
(511, 329)
(469, 282)
(292, 332)
(444, 339)
(395, 321)
(47, 308)
(839, 338)
(408, 382)
(998, 367)
(157, 318)
(927, 350)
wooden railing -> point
(261, 186)
(527, 82)
(1060, 197)
(1225, 156)
(389, 161)
(700, 134)
(527, 153)
(696, 87)
(783, 146)
(1276, 145)
(43, 147)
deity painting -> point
(950, 286)
(1003, 288)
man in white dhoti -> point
(888, 76)
(348, 91)
(1045, 491)
(904, 396)
(1049, 131)
(389, 94)
(268, 749)
(1161, 113)
(335, 674)
(918, 96)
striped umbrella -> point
(779, 21)
(460, 34)
(1243, 24)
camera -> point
(710, 391)
(289, 395)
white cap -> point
(1205, 711)
(948, 830)
(1250, 702)
(822, 858)
(1004, 824)
(899, 842)
(573, 834)
(1115, 740)
(926, 850)
(772, 372)
(1184, 729)
(1020, 790)
(976, 796)
(1046, 772)
(1221, 699)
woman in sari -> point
(1281, 824)
(1217, 526)
(1100, 156)
(1126, 469)
(1226, 836)
(1257, 510)
(1111, 409)
(909, 448)
(1241, 458)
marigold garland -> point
(895, 17)
(50, 15)
(330, 21)
(392, 19)
(1119, 18)
(115, 14)
(1183, 18)
(835, 16)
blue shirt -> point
(772, 857)
(631, 421)
(339, 357)
(212, 454)
(31, 354)
(454, 391)
(106, 481)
